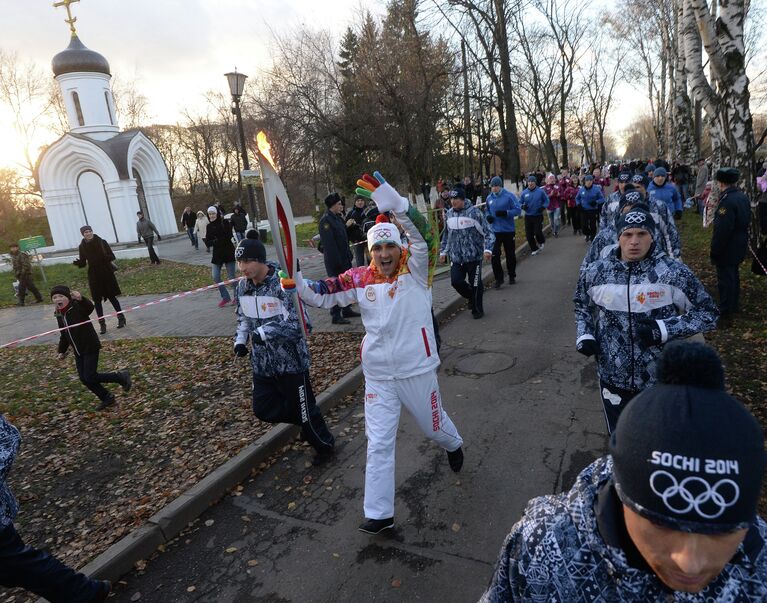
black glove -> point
(490, 219)
(240, 350)
(648, 332)
(159, 238)
(255, 338)
(501, 213)
(587, 347)
(677, 215)
(298, 265)
(524, 207)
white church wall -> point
(65, 217)
(122, 197)
(96, 206)
(96, 104)
(144, 158)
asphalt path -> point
(527, 407)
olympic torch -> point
(280, 215)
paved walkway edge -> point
(166, 524)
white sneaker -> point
(536, 252)
(542, 245)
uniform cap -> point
(727, 175)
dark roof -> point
(77, 58)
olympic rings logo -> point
(637, 178)
(694, 493)
(239, 252)
(635, 218)
(382, 233)
(633, 197)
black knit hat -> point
(687, 455)
(624, 177)
(636, 217)
(631, 197)
(639, 179)
(250, 249)
(332, 199)
(61, 290)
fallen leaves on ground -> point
(85, 479)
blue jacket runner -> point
(501, 209)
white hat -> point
(212, 209)
(384, 232)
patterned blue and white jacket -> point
(10, 440)
(467, 235)
(612, 296)
(557, 552)
(271, 312)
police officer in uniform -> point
(335, 249)
(729, 240)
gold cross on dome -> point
(70, 19)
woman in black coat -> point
(218, 235)
(96, 253)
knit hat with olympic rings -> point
(383, 232)
(636, 217)
(686, 455)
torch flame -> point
(265, 148)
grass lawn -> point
(135, 276)
(304, 233)
(743, 346)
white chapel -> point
(95, 174)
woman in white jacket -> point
(200, 226)
(399, 351)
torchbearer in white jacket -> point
(399, 351)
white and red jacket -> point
(399, 341)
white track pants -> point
(383, 401)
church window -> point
(78, 109)
(109, 108)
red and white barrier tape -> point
(756, 257)
(125, 311)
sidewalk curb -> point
(165, 525)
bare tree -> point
(601, 75)
(131, 106)
(24, 92)
(569, 28)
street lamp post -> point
(236, 87)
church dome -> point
(77, 58)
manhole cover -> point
(484, 363)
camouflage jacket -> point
(22, 265)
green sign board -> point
(32, 243)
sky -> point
(175, 50)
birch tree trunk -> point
(684, 144)
(725, 96)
